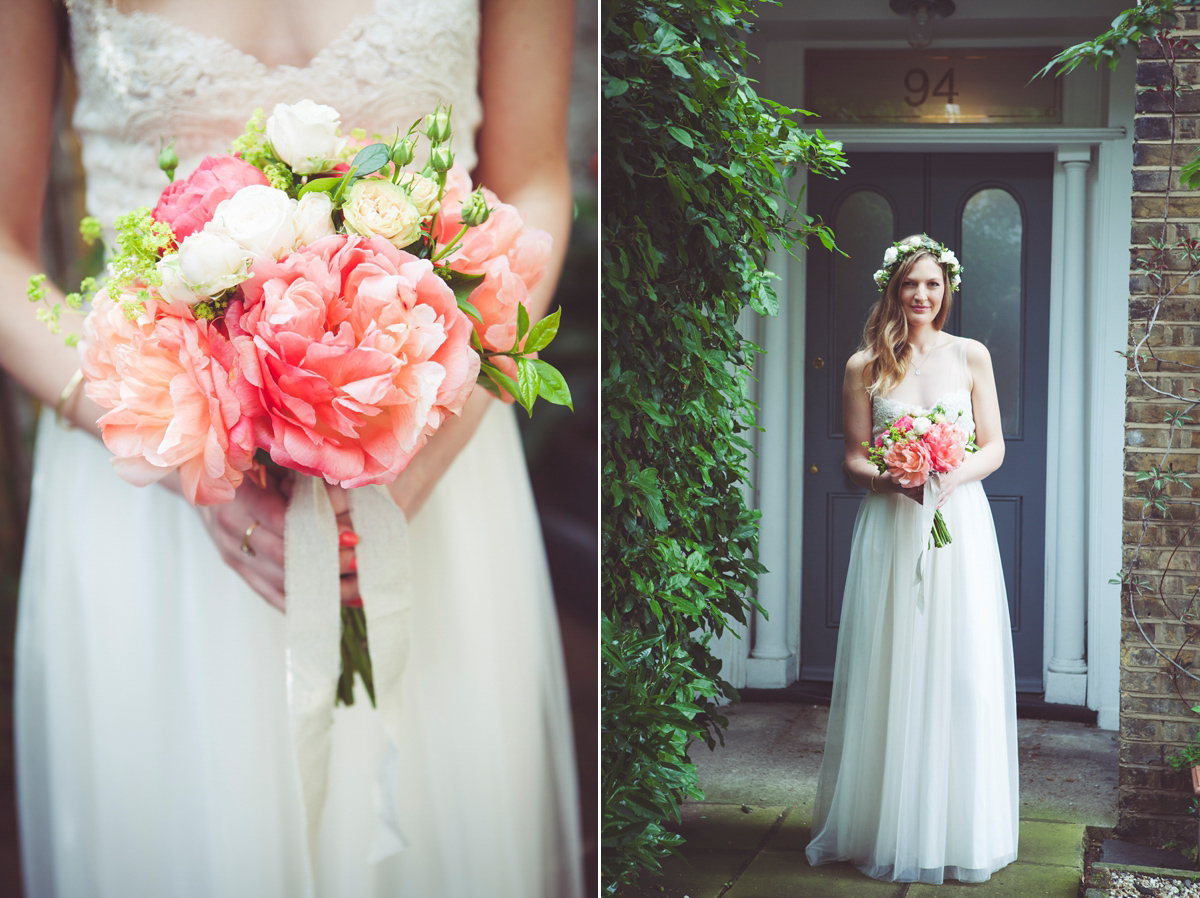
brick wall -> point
(1155, 720)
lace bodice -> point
(957, 403)
(144, 78)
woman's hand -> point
(886, 483)
(948, 483)
(248, 532)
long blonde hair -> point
(885, 336)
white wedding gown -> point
(919, 778)
(153, 748)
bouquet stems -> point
(355, 655)
(941, 536)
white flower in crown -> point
(947, 258)
(889, 255)
(880, 277)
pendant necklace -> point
(917, 370)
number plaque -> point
(975, 87)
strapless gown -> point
(918, 782)
(153, 749)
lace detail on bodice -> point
(957, 402)
(143, 77)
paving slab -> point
(775, 874)
(1014, 881)
(734, 827)
(1060, 844)
(700, 874)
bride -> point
(153, 749)
(919, 778)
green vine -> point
(696, 169)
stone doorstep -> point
(1163, 872)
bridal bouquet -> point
(914, 448)
(314, 300)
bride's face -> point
(921, 291)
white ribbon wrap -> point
(924, 537)
(314, 632)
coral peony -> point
(947, 446)
(188, 205)
(174, 396)
(358, 351)
(511, 256)
(908, 462)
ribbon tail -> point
(384, 583)
(924, 526)
(313, 628)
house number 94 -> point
(917, 81)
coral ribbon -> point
(314, 632)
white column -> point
(771, 663)
(1066, 676)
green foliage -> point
(1143, 22)
(695, 178)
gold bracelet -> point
(873, 484)
(69, 392)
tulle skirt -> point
(919, 778)
(153, 748)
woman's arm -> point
(856, 430)
(524, 75)
(38, 359)
(989, 430)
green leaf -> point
(522, 323)
(371, 159)
(552, 386)
(527, 384)
(543, 332)
(324, 185)
(467, 307)
(614, 87)
(682, 136)
(499, 379)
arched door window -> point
(993, 293)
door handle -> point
(818, 363)
(812, 469)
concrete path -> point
(748, 836)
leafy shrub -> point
(695, 176)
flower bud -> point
(402, 152)
(168, 161)
(475, 210)
(441, 159)
(437, 126)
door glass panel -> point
(992, 291)
(864, 226)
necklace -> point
(916, 368)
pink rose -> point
(174, 396)
(188, 205)
(908, 462)
(358, 352)
(947, 445)
(904, 423)
(879, 442)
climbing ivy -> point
(695, 175)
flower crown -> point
(894, 255)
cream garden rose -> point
(305, 136)
(376, 207)
(312, 218)
(422, 191)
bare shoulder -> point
(857, 363)
(976, 351)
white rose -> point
(207, 263)
(887, 442)
(939, 418)
(422, 191)
(259, 218)
(305, 136)
(920, 425)
(312, 218)
(173, 289)
(889, 255)
(374, 206)
(947, 258)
